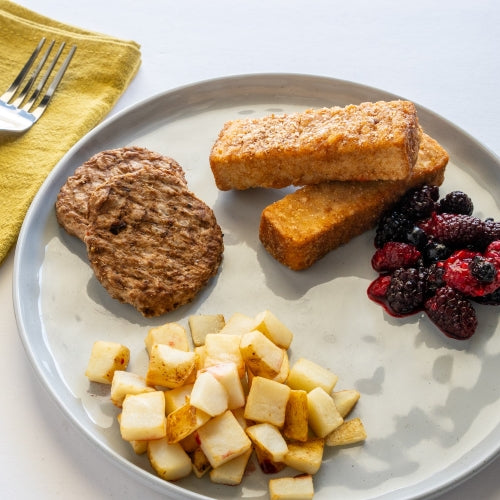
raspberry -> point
(378, 288)
(459, 230)
(458, 274)
(493, 252)
(483, 270)
(452, 313)
(419, 203)
(406, 291)
(393, 255)
(393, 226)
(456, 202)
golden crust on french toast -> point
(369, 141)
(305, 225)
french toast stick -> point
(369, 141)
(305, 225)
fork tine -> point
(37, 112)
(20, 77)
(20, 98)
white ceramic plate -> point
(430, 405)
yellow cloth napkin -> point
(99, 73)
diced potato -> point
(169, 367)
(260, 354)
(139, 447)
(307, 375)
(291, 488)
(323, 414)
(201, 354)
(127, 383)
(200, 462)
(296, 425)
(273, 329)
(177, 397)
(105, 359)
(223, 348)
(184, 421)
(227, 374)
(266, 462)
(350, 432)
(209, 395)
(231, 473)
(266, 401)
(169, 461)
(345, 400)
(201, 325)
(269, 438)
(305, 457)
(223, 439)
(238, 324)
(190, 443)
(171, 334)
(143, 416)
(284, 370)
(239, 414)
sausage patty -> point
(72, 200)
(150, 241)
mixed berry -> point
(433, 255)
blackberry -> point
(459, 231)
(419, 203)
(417, 237)
(491, 299)
(482, 269)
(392, 226)
(406, 291)
(435, 251)
(434, 280)
(456, 202)
(491, 230)
(452, 313)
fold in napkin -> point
(99, 73)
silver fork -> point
(18, 112)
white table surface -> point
(442, 54)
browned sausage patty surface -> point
(72, 200)
(150, 241)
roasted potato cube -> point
(291, 488)
(273, 329)
(296, 425)
(307, 375)
(305, 457)
(200, 462)
(209, 395)
(175, 398)
(350, 432)
(266, 462)
(231, 473)
(227, 374)
(139, 447)
(266, 401)
(184, 421)
(284, 370)
(223, 348)
(169, 367)
(169, 461)
(105, 359)
(127, 383)
(223, 439)
(323, 414)
(171, 334)
(143, 416)
(345, 400)
(201, 325)
(269, 438)
(238, 324)
(261, 356)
